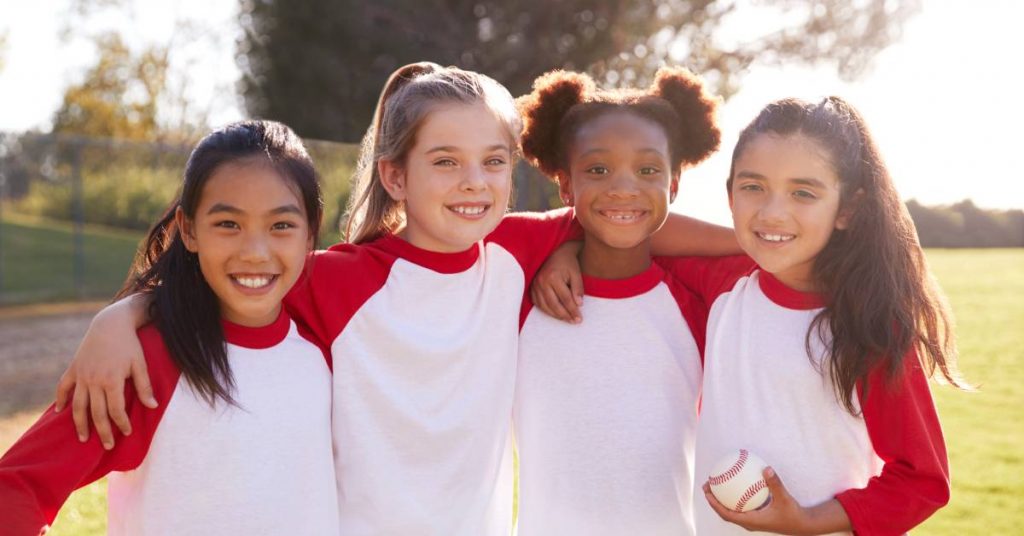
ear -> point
(185, 229)
(565, 188)
(673, 188)
(392, 177)
(846, 212)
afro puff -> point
(562, 101)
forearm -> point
(685, 236)
(826, 518)
(130, 313)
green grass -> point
(982, 429)
(37, 260)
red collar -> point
(624, 288)
(257, 338)
(445, 263)
(789, 298)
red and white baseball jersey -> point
(424, 347)
(261, 467)
(606, 411)
(762, 392)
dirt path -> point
(36, 343)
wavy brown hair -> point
(408, 97)
(882, 302)
(563, 101)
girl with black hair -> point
(240, 440)
(606, 411)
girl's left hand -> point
(782, 514)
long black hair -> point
(183, 306)
(881, 300)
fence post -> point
(78, 215)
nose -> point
(623, 186)
(255, 248)
(773, 210)
(474, 179)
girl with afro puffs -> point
(606, 410)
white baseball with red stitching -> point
(738, 483)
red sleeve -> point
(707, 277)
(48, 462)
(905, 433)
(693, 310)
(333, 286)
(531, 237)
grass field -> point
(36, 260)
(986, 288)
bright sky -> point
(940, 146)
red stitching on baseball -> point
(733, 471)
(749, 494)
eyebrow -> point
(600, 150)
(806, 181)
(453, 149)
(226, 208)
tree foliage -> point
(965, 225)
(119, 95)
(318, 65)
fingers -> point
(144, 389)
(100, 420)
(65, 387)
(80, 413)
(566, 297)
(576, 284)
(776, 489)
(115, 407)
(558, 309)
(717, 506)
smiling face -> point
(785, 199)
(251, 235)
(620, 183)
(455, 181)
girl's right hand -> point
(109, 354)
(557, 288)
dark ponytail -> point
(183, 306)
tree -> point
(318, 65)
(118, 96)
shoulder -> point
(518, 223)
(708, 277)
(159, 362)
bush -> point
(131, 197)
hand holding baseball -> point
(783, 515)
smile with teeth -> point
(254, 281)
(774, 237)
(469, 210)
(623, 216)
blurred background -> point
(103, 99)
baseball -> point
(736, 481)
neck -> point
(598, 259)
